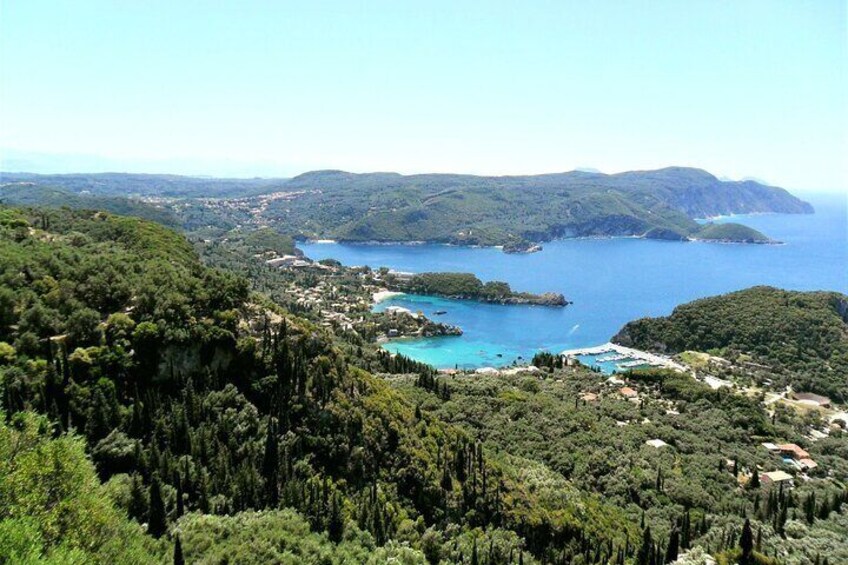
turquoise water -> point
(611, 282)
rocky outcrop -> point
(521, 247)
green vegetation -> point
(178, 414)
(468, 286)
(470, 210)
(29, 194)
(802, 337)
(686, 489)
(143, 185)
(730, 232)
(196, 396)
(280, 536)
(511, 211)
(53, 508)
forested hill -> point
(467, 209)
(448, 208)
(33, 194)
(201, 403)
(803, 336)
(146, 185)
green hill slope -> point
(446, 208)
(803, 336)
(736, 233)
(195, 395)
(468, 209)
(30, 194)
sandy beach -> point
(382, 295)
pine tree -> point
(156, 524)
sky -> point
(249, 88)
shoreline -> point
(383, 295)
(499, 247)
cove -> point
(610, 281)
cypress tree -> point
(178, 552)
(673, 548)
(746, 543)
(271, 465)
(335, 525)
(824, 509)
(156, 524)
(180, 506)
(755, 480)
(646, 551)
(138, 499)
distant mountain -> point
(30, 194)
(145, 185)
(451, 208)
(467, 209)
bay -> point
(611, 281)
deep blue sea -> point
(610, 281)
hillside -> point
(146, 185)
(735, 233)
(689, 486)
(31, 194)
(802, 336)
(464, 209)
(513, 211)
(139, 383)
(195, 396)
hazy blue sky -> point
(263, 88)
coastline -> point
(383, 295)
(499, 247)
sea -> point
(610, 282)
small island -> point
(466, 286)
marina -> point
(611, 358)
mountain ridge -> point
(460, 209)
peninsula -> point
(466, 286)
